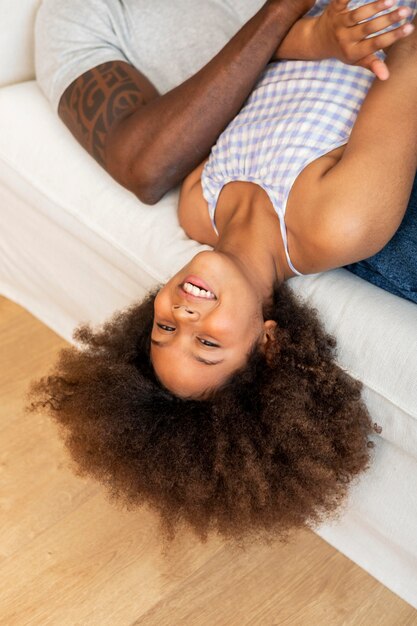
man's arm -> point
(149, 142)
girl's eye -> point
(208, 343)
(165, 327)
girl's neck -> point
(249, 231)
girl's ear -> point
(269, 341)
(268, 331)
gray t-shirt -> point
(167, 40)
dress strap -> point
(285, 241)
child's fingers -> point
(367, 11)
(360, 31)
(377, 66)
(340, 5)
(380, 42)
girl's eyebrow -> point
(163, 344)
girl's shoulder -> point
(193, 213)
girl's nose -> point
(185, 312)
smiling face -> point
(206, 320)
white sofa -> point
(75, 246)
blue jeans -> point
(394, 268)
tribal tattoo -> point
(101, 97)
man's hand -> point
(351, 35)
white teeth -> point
(196, 291)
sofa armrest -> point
(17, 19)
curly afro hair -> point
(272, 451)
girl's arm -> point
(359, 203)
(337, 33)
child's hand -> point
(343, 36)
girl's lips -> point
(190, 296)
(198, 282)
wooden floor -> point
(68, 557)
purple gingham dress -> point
(297, 112)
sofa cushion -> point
(17, 40)
(81, 188)
(43, 166)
